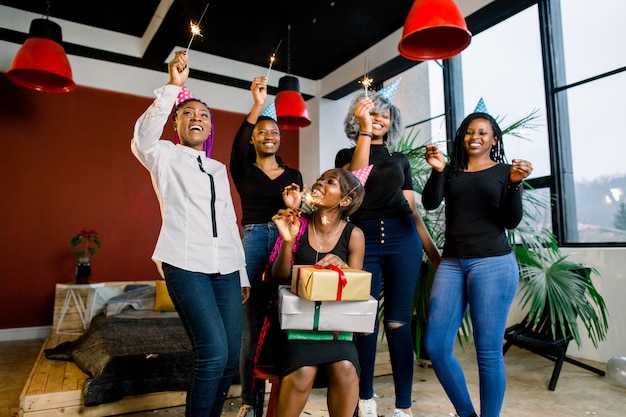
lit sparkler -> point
(195, 28)
(366, 82)
(308, 201)
(272, 59)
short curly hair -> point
(381, 105)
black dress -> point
(298, 353)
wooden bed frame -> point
(54, 388)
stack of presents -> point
(327, 303)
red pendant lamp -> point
(291, 109)
(41, 63)
(434, 29)
(291, 112)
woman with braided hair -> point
(483, 197)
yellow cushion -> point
(163, 301)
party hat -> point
(363, 173)
(481, 107)
(270, 111)
(389, 91)
(183, 95)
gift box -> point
(298, 313)
(329, 284)
(318, 335)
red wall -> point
(66, 165)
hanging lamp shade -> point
(41, 63)
(434, 29)
(291, 112)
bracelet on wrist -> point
(368, 134)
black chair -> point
(539, 340)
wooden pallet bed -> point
(54, 388)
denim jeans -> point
(258, 241)
(393, 254)
(488, 286)
(210, 309)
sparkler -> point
(308, 201)
(366, 82)
(195, 28)
(272, 59)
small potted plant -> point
(86, 243)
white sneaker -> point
(399, 413)
(367, 408)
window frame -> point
(561, 180)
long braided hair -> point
(458, 156)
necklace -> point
(320, 246)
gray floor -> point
(578, 392)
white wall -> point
(611, 284)
(611, 266)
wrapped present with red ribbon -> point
(332, 283)
(298, 313)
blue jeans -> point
(258, 241)
(393, 254)
(488, 286)
(209, 307)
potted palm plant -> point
(547, 277)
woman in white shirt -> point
(199, 248)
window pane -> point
(421, 99)
(593, 37)
(503, 66)
(596, 112)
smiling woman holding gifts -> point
(322, 238)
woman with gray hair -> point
(395, 236)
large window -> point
(593, 88)
(564, 59)
(503, 67)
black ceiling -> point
(324, 34)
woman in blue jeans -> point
(199, 248)
(260, 177)
(394, 237)
(483, 197)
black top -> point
(390, 175)
(306, 255)
(261, 196)
(479, 207)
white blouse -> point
(199, 229)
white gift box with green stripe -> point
(345, 316)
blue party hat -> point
(481, 107)
(270, 111)
(389, 91)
